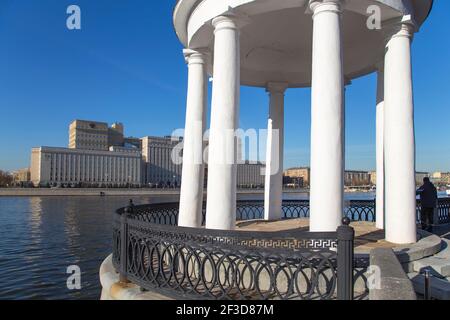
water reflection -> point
(42, 236)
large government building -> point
(158, 166)
(100, 155)
(51, 165)
(250, 174)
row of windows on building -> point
(93, 168)
(160, 165)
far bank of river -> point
(167, 194)
(44, 192)
(47, 192)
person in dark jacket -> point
(428, 202)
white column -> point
(273, 192)
(221, 196)
(380, 148)
(327, 117)
(191, 196)
(399, 141)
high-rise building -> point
(301, 175)
(357, 178)
(420, 176)
(102, 155)
(250, 174)
(22, 175)
(115, 135)
(441, 177)
(88, 135)
(445, 178)
(94, 135)
(373, 177)
(131, 142)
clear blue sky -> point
(126, 65)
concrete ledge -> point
(394, 284)
(428, 245)
(113, 289)
(438, 265)
(445, 253)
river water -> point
(43, 236)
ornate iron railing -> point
(355, 210)
(360, 210)
(442, 211)
(152, 252)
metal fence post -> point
(124, 242)
(374, 216)
(427, 284)
(345, 238)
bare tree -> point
(5, 179)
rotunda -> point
(281, 44)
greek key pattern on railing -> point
(195, 263)
(199, 269)
(297, 240)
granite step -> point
(440, 288)
(438, 265)
(445, 250)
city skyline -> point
(176, 140)
(134, 71)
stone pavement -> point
(367, 237)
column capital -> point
(319, 6)
(405, 27)
(195, 56)
(277, 87)
(230, 20)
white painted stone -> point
(275, 52)
(191, 196)
(276, 44)
(380, 148)
(273, 193)
(399, 141)
(221, 201)
(327, 111)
